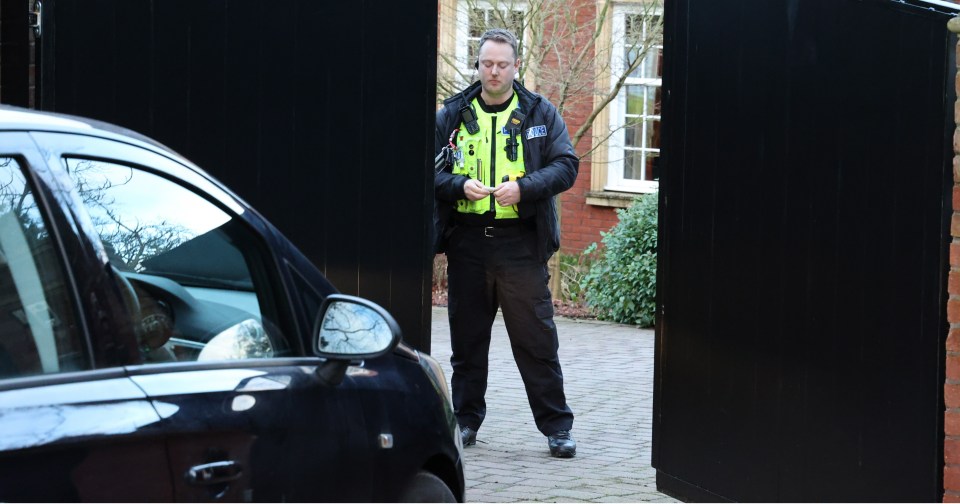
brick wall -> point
(951, 392)
(583, 223)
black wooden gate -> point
(295, 104)
(805, 206)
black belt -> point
(496, 231)
(493, 231)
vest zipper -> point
(493, 161)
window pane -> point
(477, 23)
(632, 54)
(633, 41)
(643, 38)
(633, 28)
(635, 95)
(651, 64)
(38, 331)
(634, 134)
(472, 54)
(657, 100)
(653, 134)
(659, 68)
(197, 273)
(632, 164)
(651, 166)
(515, 23)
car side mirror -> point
(354, 328)
(350, 329)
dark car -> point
(161, 341)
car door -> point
(72, 425)
(220, 339)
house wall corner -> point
(951, 392)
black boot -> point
(562, 444)
(468, 436)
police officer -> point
(509, 156)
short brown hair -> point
(500, 35)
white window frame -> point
(464, 41)
(618, 108)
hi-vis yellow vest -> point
(482, 157)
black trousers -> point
(496, 268)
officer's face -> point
(497, 69)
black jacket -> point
(549, 161)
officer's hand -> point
(507, 193)
(474, 190)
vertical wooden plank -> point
(15, 53)
(172, 105)
(245, 159)
(134, 48)
(205, 64)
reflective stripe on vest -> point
(485, 159)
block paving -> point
(608, 378)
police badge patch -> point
(536, 132)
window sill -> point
(610, 198)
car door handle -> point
(214, 472)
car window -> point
(38, 330)
(194, 275)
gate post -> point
(951, 391)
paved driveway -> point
(608, 376)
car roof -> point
(22, 119)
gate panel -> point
(804, 234)
(292, 103)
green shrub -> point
(621, 285)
